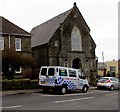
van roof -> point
(57, 67)
(53, 67)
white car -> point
(108, 82)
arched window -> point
(76, 41)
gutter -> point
(14, 34)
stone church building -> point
(65, 40)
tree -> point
(11, 60)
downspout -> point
(58, 55)
(9, 41)
(9, 52)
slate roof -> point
(7, 27)
(43, 32)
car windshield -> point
(103, 79)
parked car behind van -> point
(62, 79)
(108, 82)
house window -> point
(112, 68)
(1, 43)
(76, 41)
(18, 70)
(18, 44)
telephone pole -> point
(104, 74)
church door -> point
(76, 63)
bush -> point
(14, 60)
(34, 74)
(93, 78)
(20, 84)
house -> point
(109, 68)
(65, 40)
(14, 38)
(112, 68)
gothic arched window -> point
(76, 41)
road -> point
(92, 100)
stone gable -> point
(58, 50)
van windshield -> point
(44, 71)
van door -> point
(80, 80)
(42, 75)
(73, 79)
(47, 76)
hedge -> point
(19, 84)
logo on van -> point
(60, 81)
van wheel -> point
(112, 88)
(63, 90)
(84, 89)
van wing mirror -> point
(82, 77)
(47, 76)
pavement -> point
(28, 91)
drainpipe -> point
(9, 48)
(9, 41)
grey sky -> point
(100, 15)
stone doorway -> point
(76, 63)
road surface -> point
(92, 100)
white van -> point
(62, 79)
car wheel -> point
(85, 89)
(63, 90)
(112, 88)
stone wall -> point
(25, 42)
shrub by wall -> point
(19, 84)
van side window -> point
(44, 71)
(62, 72)
(72, 73)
